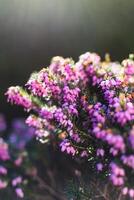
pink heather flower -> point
(131, 192)
(46, 113)
(3, 170)
(64, 70)
(76, 137)
(70, 95)
(3, 184)
(14, 95)
(114, 151)
(4, 153)
(116, 141)
(90, 58)
(71, 150)
(34, 121)
(84, 154)
(19, 192)
(117, 181)
(118, 171)
(66, 147)
(125, 190)
(128, 160)
(100, 152)
(117, 174)
(129, 66)
(123, 116)
(99, 166)
(42, 133)
(16, 181)
(37, 88)
(18, 161)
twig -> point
(49, 189)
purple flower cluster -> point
(14, 158)
(20, 134)
(117, 175)
(66, 146)
(88, 106)
(20, 98)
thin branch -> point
(49, 189)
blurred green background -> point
(33, 31)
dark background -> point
(33, 31)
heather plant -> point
(25, 166)
(87, 107)
(15, 162)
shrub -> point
(88, 108)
